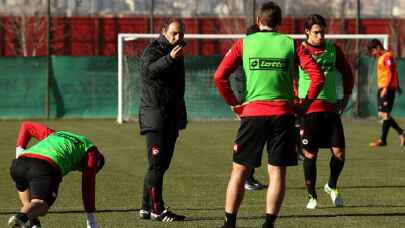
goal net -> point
(203, 54)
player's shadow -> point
(220, 209)
(358, 187)
(220, 218)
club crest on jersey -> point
(155, 150)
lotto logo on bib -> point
(155, 150)
(276, 64)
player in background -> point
(37, 171)
(267, 116)
(251, 182)
(321, 124)
(388, 85)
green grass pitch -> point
(372, 182)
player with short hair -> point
(38, 170)
(388, 84)
(267, 116)
(321, 126)
(251, 182)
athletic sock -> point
(22, 216)
(310, 176)
(230, 220)
(395, 125)
(385, 127)
(336, 167)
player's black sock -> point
(35, 222)
(336, 167)
(270, 219)
(310, 176)
(230, 220)
(22, 217)
(395, 125)
(385, 127)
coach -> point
(162, 113)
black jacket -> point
(162, 85)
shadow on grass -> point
(358, 187)
(220, 218)
(220, 209)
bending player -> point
(37, 171)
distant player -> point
(321, 126)
(388, 85)
(37, 171)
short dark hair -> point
(270, 14)
(166, 22)
(314, 19)
(374, 43)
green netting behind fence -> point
(22, 87)
(86, 87)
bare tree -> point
(26, 23)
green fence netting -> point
(23, 87)
(86, 87)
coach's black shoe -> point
(144, 214)
(167, 216)
(252, 184)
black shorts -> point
(321, 130)
(386, 102)
(277, 132)
(37, 175)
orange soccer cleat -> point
(377, 143)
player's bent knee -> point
(40, 203)
(384, 115)
(309, 155)
(241, 169)
(339, 154)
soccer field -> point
(372, 182)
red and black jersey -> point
(341, 65)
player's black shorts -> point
(255, 132)
(37, 175)
(321, 130)
(386, 102)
